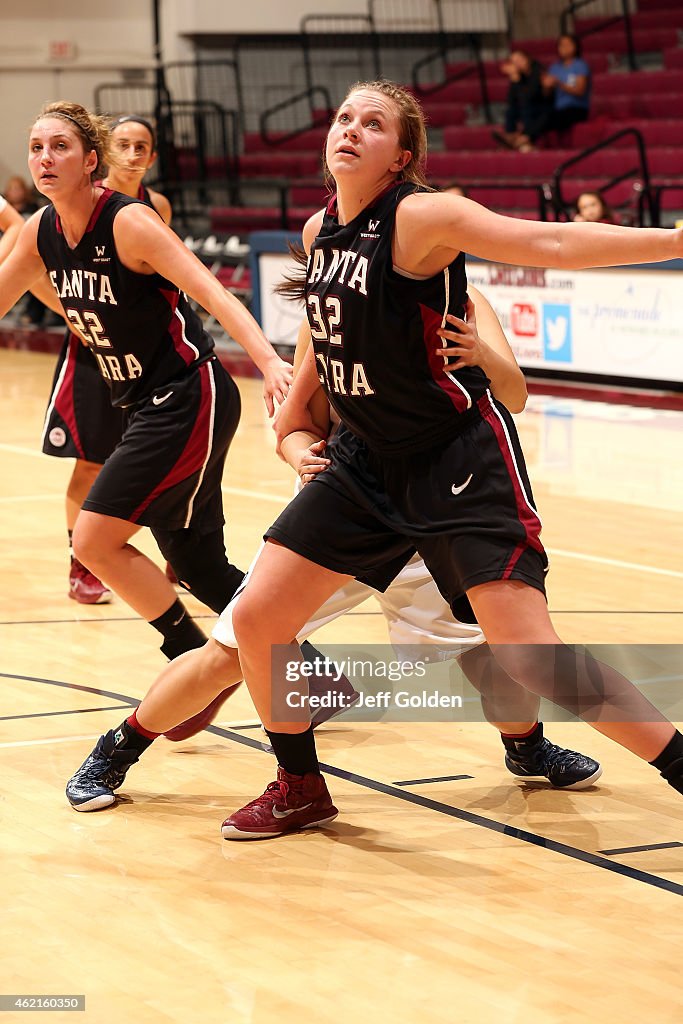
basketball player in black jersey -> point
(121, 276)
(426, 460)
(418, 620)
(81, 423)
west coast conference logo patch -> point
(57, 437)
(100, 257)
(372, 230)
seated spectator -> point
(569, 81)
(19, 195)
(592, 209)
(528, 105)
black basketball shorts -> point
(466, 506)
(168, 468)
(80, 422)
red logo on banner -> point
(524, 319)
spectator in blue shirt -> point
(570, 79)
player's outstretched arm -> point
(433, 222)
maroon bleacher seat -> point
(309, 195)
(664, 132)
(668, 19)
(629, 83)
(637, 105)
(235, 278)
(280, 165)
(243, 219)
(673, 58)
(312, 140)
(440, 114)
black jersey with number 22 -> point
(139, 327)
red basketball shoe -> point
(86, 588)
(292, 803)
(193, 725)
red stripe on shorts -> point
(527, 517)
(431, 321)
(194, 453)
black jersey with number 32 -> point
(139, 327)
(374, 333)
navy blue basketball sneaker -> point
(92, 787)
(541, 759)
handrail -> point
(657, 191)
(642, 170)
(225, 117)
(441, 54)
(366, 19)
(575, 5)
(225, 62)
(309, 93)
(311, 89)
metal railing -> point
(445, 42)
(657, 191)
(568, 24)
(216, 80)
(316, 116)
(640, 173)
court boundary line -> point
(531, 838)
(53, 714)
(354, 612)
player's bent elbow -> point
(519, 404)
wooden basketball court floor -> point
(446, 890)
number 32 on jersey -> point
(326, 326)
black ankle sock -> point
(295, 752)
(670, 762)
(127, 736)
(530, 739)
(180, 632)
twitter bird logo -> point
(557, 333)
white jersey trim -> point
(55, 391)
(447, 286)
(514, 460)
(184, 336)
(209, 446)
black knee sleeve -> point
(201, 564)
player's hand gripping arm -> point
(493, 355)
(304, 425)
